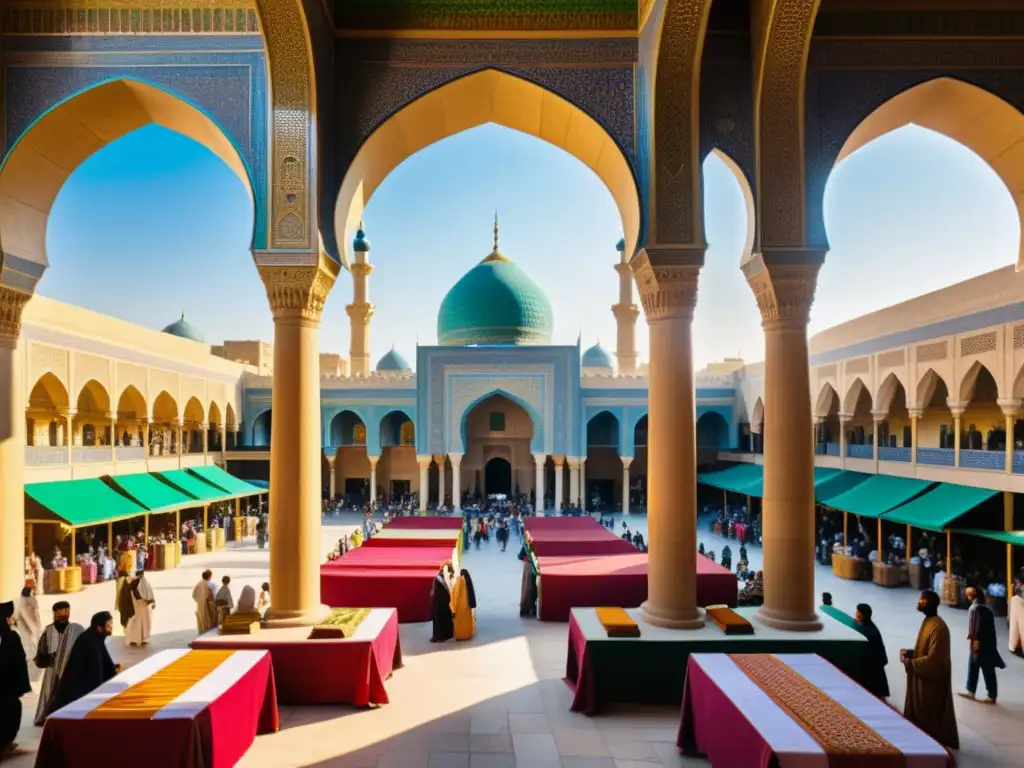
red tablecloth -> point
(212, 725)
(728, 717)
(391, 557)
(342, 671)
(405, 589)
(580, 542)
(381, 542)
(88, 573)
(426, 522)
(619, 580)
(535, 525)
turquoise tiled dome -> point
(393, 362)
(360, 244)
(185, 330)
(495, 303)
(598, 357)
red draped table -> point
(209, 721)
(794, 711)
(433, 522)
(326, 671)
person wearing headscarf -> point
(441, 599)
(29, 627)
(52, 654)
(206, 609)
(247, 600)
(463, 606)
(875, 659)
(143, 601)
(14, 681)
(125, 606)
(89, 665)
(929, 702)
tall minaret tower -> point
(360, 310)
(626, 313)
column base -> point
(787, 621)
(303, 618)
(659, 617)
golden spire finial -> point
(495, 230)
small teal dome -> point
(360, 244)
(621, 245)
(393, 362)
(495, 303)
(598, 357)
(184, 329)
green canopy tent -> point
(1011, 539)
(226, 482)
(874, 496)
(154, 494)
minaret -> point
(360, 310)
(626, 313)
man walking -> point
(981, 632)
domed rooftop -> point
(495, 303)
(598, 357)
(360, 244)
(184, 329)
(393, 362)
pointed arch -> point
(165, 407)
(487, 96)
(392, 428)
(757, 415)
(347, 428)
(981, 121)
(929, 386)
(748, 202)
(93, 398)
(827, 402)
(977, 382)
(131, 405)
(712, 431)
(536, 424)
(214, 415)
(194, 413)
(1018, 385)
(855, 395)
(230, 420)
(887, 393)
(44, 157)
(49, 392)
(603, 431)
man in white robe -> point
(52, 655)
(202, 595)
(143, 601)
(29, 627)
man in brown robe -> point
(929, 703)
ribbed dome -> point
(393, 362)
(184, 329)
(495, 303)
(598, 357)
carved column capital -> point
(12, 303)
(666, 278)
(297, 286)
(783, 283)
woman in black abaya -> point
(441, 610)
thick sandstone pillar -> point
(456, 460)
(296, 295)
(626, 461)
(538, 487)
(12, 446)
(424, 464)
(559, 482)
(667, 280)
(783, 284)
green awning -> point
(77, 503)
(840, 616)
(935, 510)
(829, 487)
(226, 482)
(1007, 537)
(153, 493)
(195, 487)
(737, 478)
(878, 494)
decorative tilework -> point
(37, 17)
(230, 86)
(519, 15)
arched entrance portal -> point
(498, 477)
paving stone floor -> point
(498, 701)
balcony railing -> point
(130, 453)
(893, 454)
(983, 460)
(1018, 462)
(45, 455)
(832, 449)
(936, 457)
(91, 454)
(860, 451)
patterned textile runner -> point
(144, 699)
(834, 727)
(341, 621)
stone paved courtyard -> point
(499, 701)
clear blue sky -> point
(155, 223)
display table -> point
(183, 708)
(846, 567)
(89, 573)
(63, 580)
(414, 537)
(597, 541)
(886, 575)
(433, 521)
(405, 589)
(336, 671)
(761, 710)
(915, 574)
(651, 669)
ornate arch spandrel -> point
(782, 38)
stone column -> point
(223, 441)
(877, 418)
(957, 408)
(178, 424)
(456, 460)
(538, 487)
(559, 482)
(583, 483)
(626, 461)
(113, 436)
(815, 433)
(145, 437)
(784, 284)
(442, 481)
(424, 464)
(204, 426)
(667, 280)
(373, 477)
(332, 487)
(574, 480)
(1011, 410)
(70, 417)
(844, 419)
(915, 414)
(12, 445)
(296, 295)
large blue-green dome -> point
(185, 330)
(495, 303)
